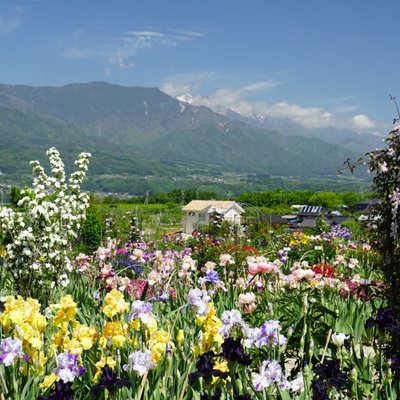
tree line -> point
(269, 198)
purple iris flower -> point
(141, 310)
(68, 368)
(10, 349)
(232, 350)
(62, 391)
(110, 381)
(210, 277)
(205, 369)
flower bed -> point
(137, 322)
(300, 317)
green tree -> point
(350, 198)
(325, 199)
(91, 231)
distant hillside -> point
(124, 115)
(144, 132)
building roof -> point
(311, 210)
(368, 202)
(306, 223)
(219, 205)
(276, 219)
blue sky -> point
(319, 63)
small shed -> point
(197, 213)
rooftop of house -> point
(311, 210)
(200, 205)
(369, 202)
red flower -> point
(248, 248)
(324, 270)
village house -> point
(364, 206)
(197, 213)
(307, 216)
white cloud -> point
(187, 83)
(260, 85)
(120, 51)
(176, 89)
(308, 117)
(221, 98)
(362, 123)
(145, 33)
(237, 99)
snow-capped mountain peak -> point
(186, 98)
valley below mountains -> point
(143, 140)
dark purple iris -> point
(205, 368)
(242, 397)
(330, 374)
(232, 350)
(385, 320)
(395, 364)
(62, 391)
(319, 390)
(110, 381)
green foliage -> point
(278, 201)
(350, 198)
(325, 199)
(276, 197)
(150, 219)
(15, 195)
(384, 163)
(173, 197)
(91, 232)
(321, 225)
(306, 312)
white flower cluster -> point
(385, 163)
(394, 201)
(50, 217)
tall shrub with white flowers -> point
(385, 164)
(42, 232)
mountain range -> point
(351, 140)
(140, 137)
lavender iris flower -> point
(68, 368)
(139, 361)
(198, 299)
(232, 319)
(270, 373)
(268, 334)
(10, 349)
(141, 310)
